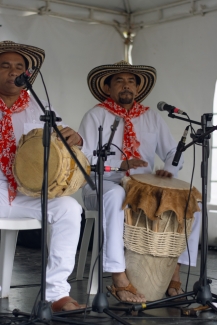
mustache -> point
(126, 92)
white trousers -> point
(64, 217)
(113, 226)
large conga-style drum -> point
(64, 176)
(156, 229)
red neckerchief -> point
(8, 141)
(130, 142)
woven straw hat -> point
(33, 55)
(97, 76)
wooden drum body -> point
(64, 176)
(154, 234)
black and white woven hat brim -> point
(34, 55)
(97, 76)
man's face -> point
(123, 89)
(11, 66)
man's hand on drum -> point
(163, 173)
(133, 164)
(72, 137)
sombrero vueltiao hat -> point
(97, 76)
(33, 55)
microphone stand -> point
(100, 302)
(43, 312)
(183, 119)
(201, 289)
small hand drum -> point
(64, 176)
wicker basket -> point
(165, 242)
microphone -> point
(21, 79)
(113, 129)
(179, 148)
(162, 106)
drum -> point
(154, 232)
(64, 176)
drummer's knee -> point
(116, 192)
(65, 207)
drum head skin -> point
(29, 164)
(163, 182)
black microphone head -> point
(160, 106)
(20, 81)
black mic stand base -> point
(200, 295)
(43, 312)
(203, 292)
(100, 302)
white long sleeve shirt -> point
(151, 131)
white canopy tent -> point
(178, 38)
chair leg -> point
(7, 252)
(84, 248)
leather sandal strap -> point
(59, 304)
(174, 284)
(129, 288)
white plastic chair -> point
(9, 231)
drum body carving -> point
(64, 176)
(154, 234)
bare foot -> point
(121, 280)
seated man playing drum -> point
(141, 134)
(20, 113)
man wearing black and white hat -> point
(141, 134)
(19, 113)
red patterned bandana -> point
(8, 141)
(130, 142)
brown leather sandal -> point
(175, 285)
(113, 290)
(59, 305)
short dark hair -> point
(107, 81)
